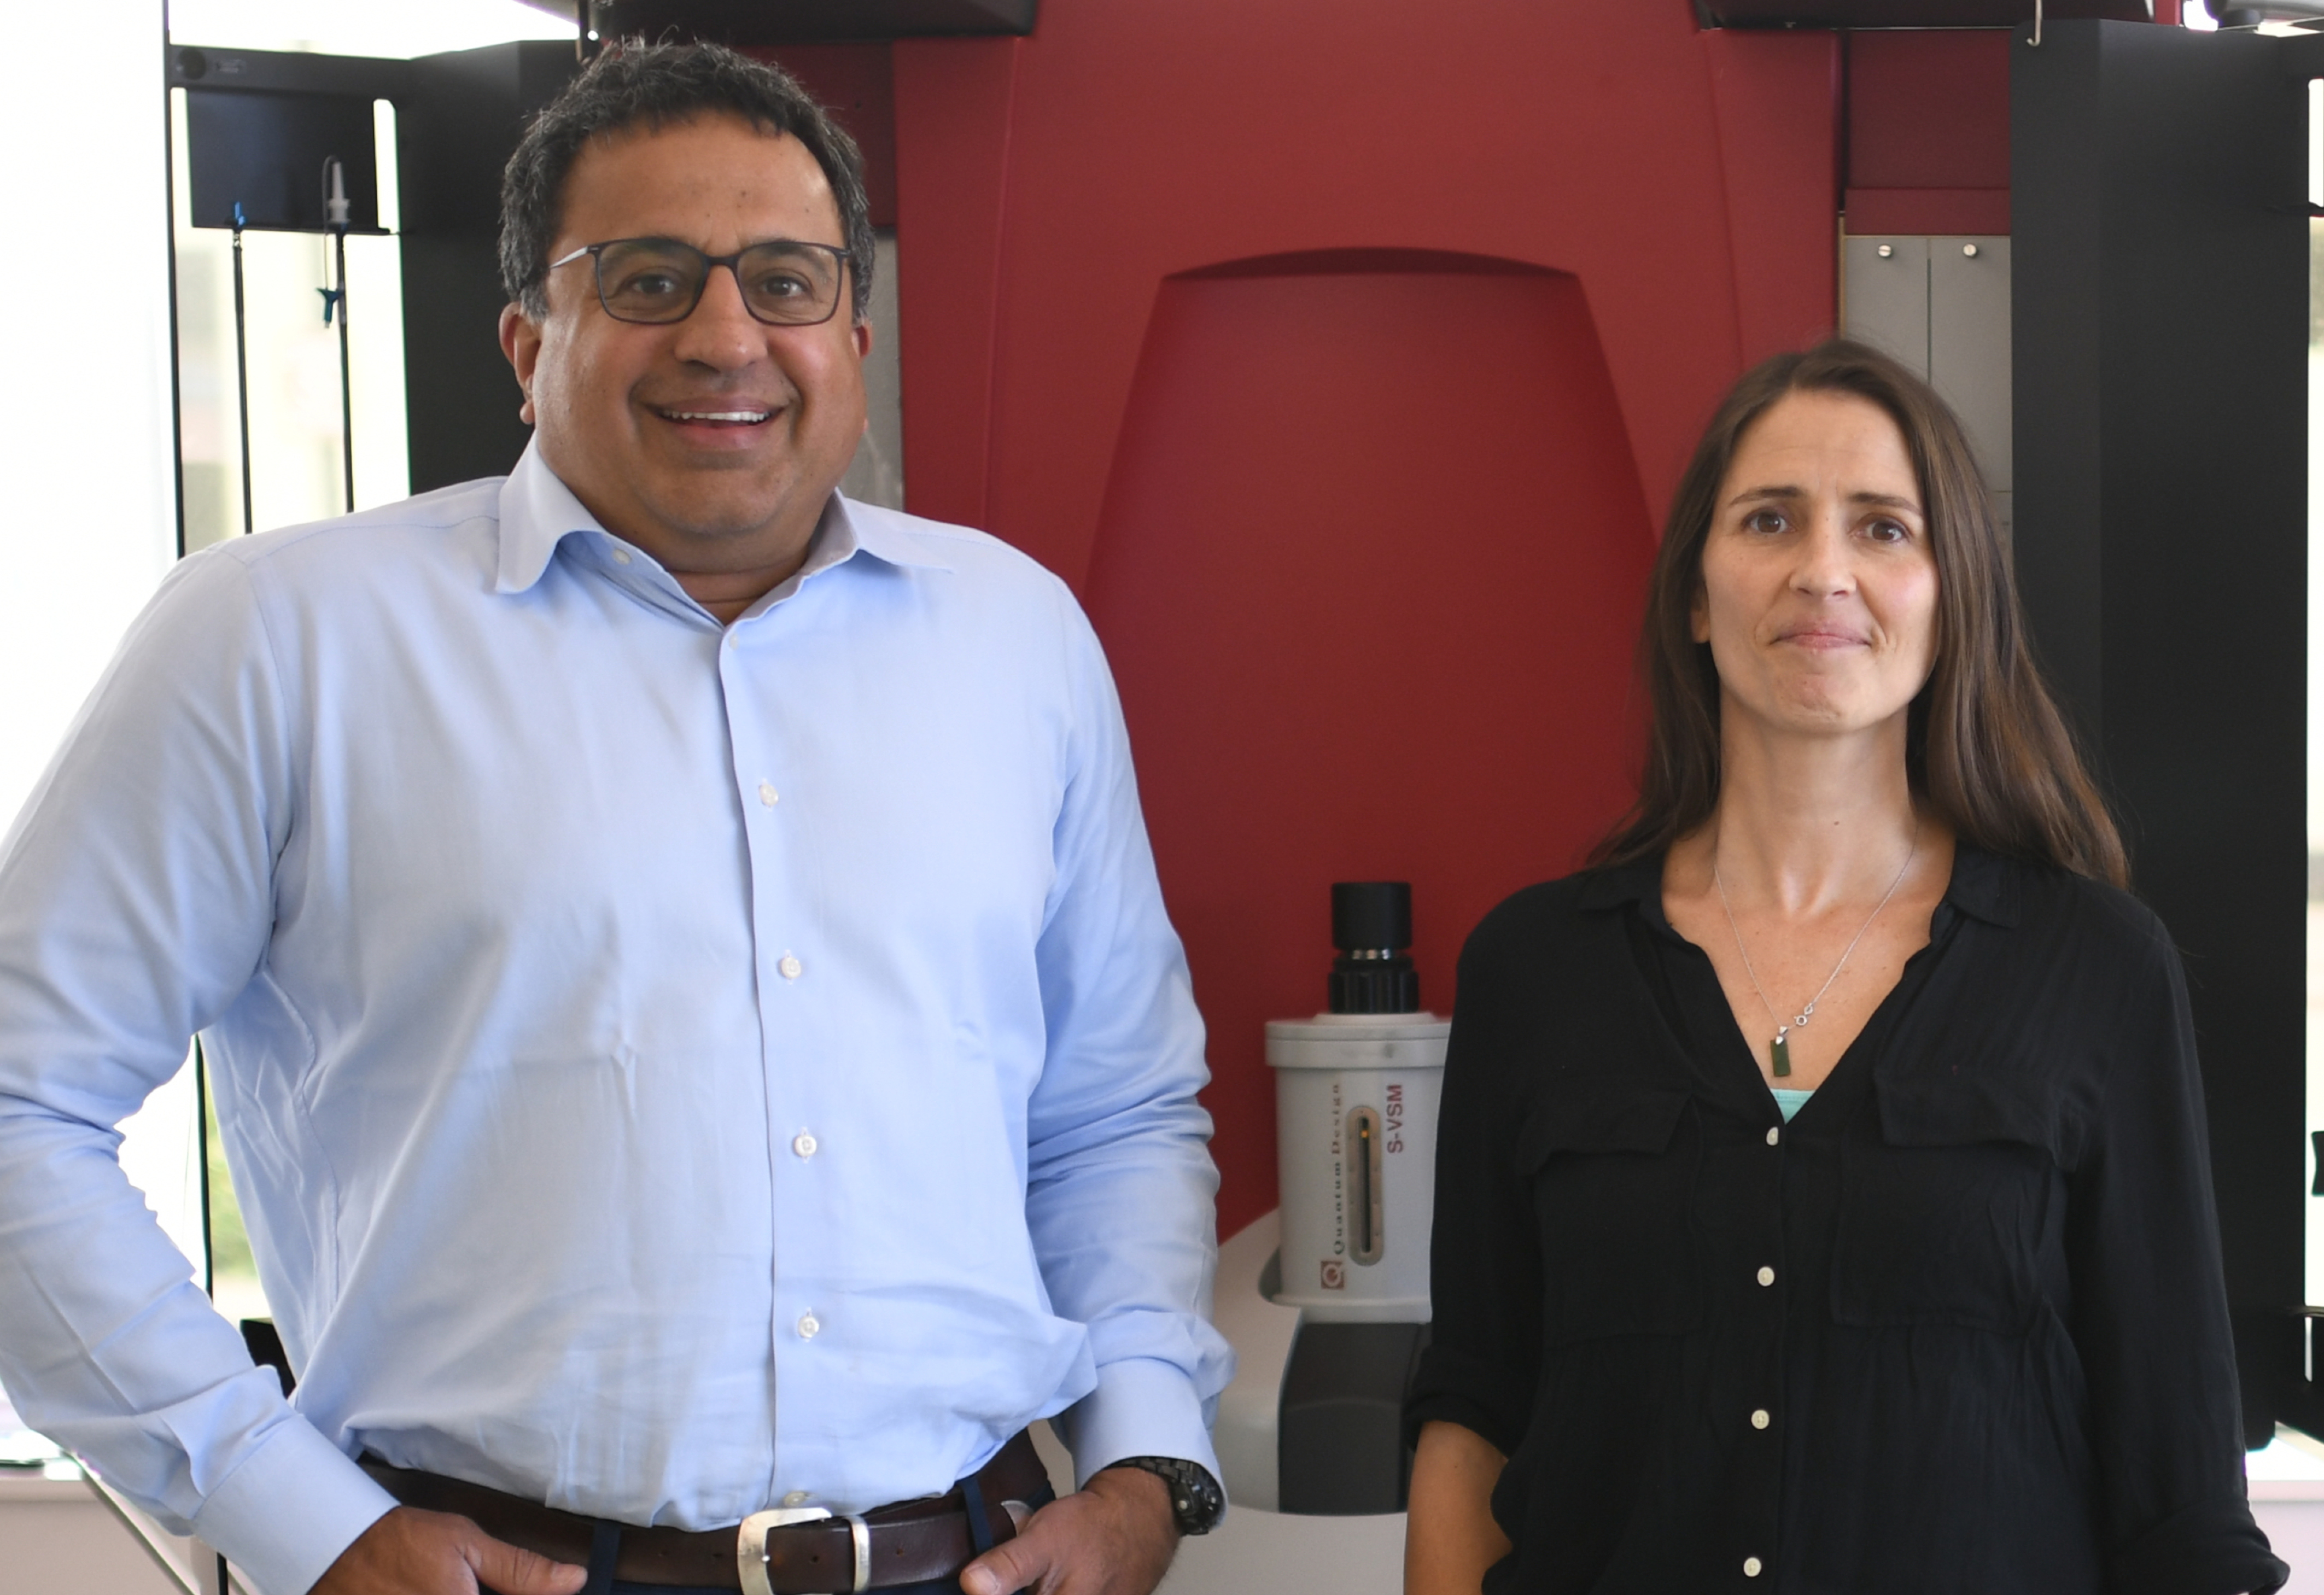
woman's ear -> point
(1698, 612)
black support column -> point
(2159, 223)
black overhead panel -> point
(2159, 303)
(260, 122)
(810, 21)
(463, 115)
(1913, 14)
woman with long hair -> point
(1823, 1200)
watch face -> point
(1196, 1499)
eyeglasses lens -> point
(656, 280)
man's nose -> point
(721, 332)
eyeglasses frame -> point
(733, 264)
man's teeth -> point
(751, 416)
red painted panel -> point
(855, 83)
(954, 99)
(1927, 211)
(1367, 570)
(1153, 135)
(1927, 110)
(1777, 98)
(1054, 192)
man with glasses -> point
(700, 1046)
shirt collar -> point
(1983, 885)
(538, 512)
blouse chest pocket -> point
(1613, 1173)
(1950, 1204)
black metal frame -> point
(2160, 325)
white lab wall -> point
(86, 447)
(85, 440)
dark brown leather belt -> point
(903, 1543)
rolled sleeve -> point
(2150, 1312)
(1122, 1188)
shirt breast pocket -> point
(1949, 1203)
(1613, 1175)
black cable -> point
(335, 208)
(202, 1160)
(242, 370)
(346, 380)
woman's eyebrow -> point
(1784, 492)
(1886, 500)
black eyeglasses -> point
(659, 281)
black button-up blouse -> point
(1960, 1327)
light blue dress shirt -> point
(665, 1067)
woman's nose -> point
(1824, 568)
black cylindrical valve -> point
(1372, 926)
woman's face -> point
(1819, 595)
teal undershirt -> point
(1790, 1102)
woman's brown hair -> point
(1987, 748)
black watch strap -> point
(1196, 1498)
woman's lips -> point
(1821, 639)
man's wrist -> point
(1196, 1501)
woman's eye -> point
(1767, 520)
(1889, 531)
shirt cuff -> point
(2210, 1548)
(1457, 1388)
(1141, 1407)
(285, 1515)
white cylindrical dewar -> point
(1355, 1126)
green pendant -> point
(1781, 1051)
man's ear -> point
(521, 341)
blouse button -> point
(1773, 1135)
(1766, 1276)
(788, 967)
(1760, 1418)
(1750, 1567)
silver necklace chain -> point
(1801, 1020)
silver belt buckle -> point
(750, 1545)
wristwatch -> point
(1196, 1499)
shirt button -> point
(768, 795)
(807, 1326)
(798, 1498)
(621, 556)
(804, 1144)
(1750, 1567)
(1766, 1276)
(1773, 1135)
(1760, 1418)
(788, 967)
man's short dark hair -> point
(635, 85)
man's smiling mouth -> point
(730, 417)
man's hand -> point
(413, 1553)
(1114, 1538)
